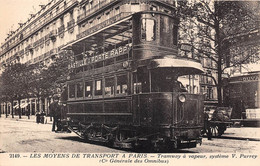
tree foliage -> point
(14, 83)
(21, 81)
(213, 28)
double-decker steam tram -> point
(124, 89)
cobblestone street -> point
(23, 135)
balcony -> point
(29, 48)
(53, 51)
(70, 25)
(61, 29)
(53, 33)
(44, 21)
(94, 9)
(21, 52)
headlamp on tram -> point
(182, 98)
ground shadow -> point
(139, 150)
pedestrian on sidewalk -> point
(55, 111)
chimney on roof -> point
(42, 6)
(20, 24)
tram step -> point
(98, 139)
(123, 145)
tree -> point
(216, 25)
(14, 82)
(37, 81)
(47, 80)
(58, 71)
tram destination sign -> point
(106, 55)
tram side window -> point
(148, 29)
(137, 85)
(88, 89)
(98, 87)
(79, 89)
(121, 87)
(71, 91)
(109, 86)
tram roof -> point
(111, 34)
(184, 66)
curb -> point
(26, 120)
(240, 138)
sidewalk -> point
(25, 118)
(247, 133)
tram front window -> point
(148, 29)
(166, 82)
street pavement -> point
(25, 119)
(245, 133)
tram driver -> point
(177, 85)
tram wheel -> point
(91, 133)
(122, 140)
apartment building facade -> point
(60, 23)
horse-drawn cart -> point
(216, 120)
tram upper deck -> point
(132, 44)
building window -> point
(109, 86)
(148, 29)
(98, 87)
(88, 89)
(80, 89)
(121, 87)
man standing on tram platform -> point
(55, 111)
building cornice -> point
(37, 29)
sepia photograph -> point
(130, 82)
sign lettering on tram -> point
(106, 55)
(245, 78)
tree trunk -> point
(38, 104)
(218, 46)
(219, 89)
(6, 114)
(28, 109)
(19, 110)
(48, 109)
(12, 108)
